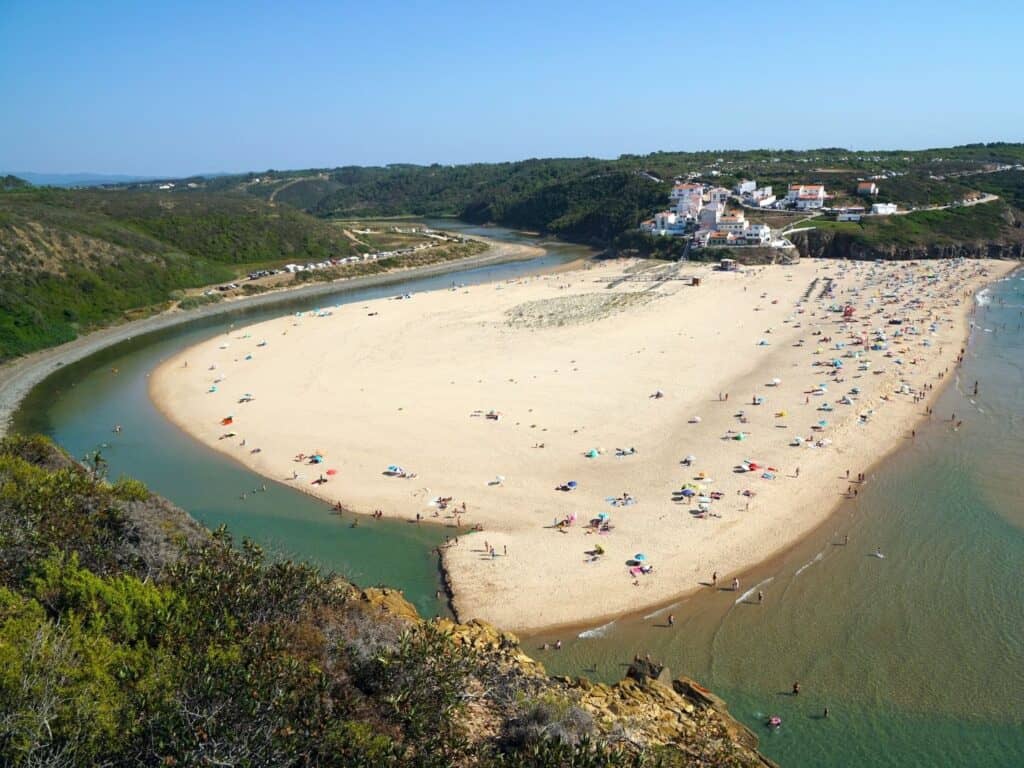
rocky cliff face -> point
(840, 245)
(648, 710)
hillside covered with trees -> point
(74, 260)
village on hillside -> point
(713, 216)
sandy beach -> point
(555, 413)
(19, 376)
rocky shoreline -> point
(647, 709)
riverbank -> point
(570, 364)
(19, 376)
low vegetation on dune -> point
(130, 636)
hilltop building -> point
(883, 209)
(745, 187)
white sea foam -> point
(809, 563)
(660, 611)
(984, 297)
(752, 590)
(596, 631)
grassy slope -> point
(985, 222)
(74, 260)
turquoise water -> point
(919, 657)
(78, 406)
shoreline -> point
(20, 375)
(777, 556)
(455, 573)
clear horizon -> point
(184, 90)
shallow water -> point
(80, 403)
(919, 656)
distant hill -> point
(595, 201)
(73, 260)
(77, 179)
(90, 179)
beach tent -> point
(332, 471)
(593, 453)
(640, 557)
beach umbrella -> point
(571, 484)
(640, 557)
(689, 492)
(690, 457)
(822, 423)
(602, 515)
(332, 471)
(776, 381)
(392, 467)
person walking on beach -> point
(714, 579)
(760, 597)
(735, 584)
(671, 619)
(796, 689)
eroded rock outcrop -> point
(646, 710)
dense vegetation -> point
(118, 649)
(72, 260)
(556, 195)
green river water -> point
(919, 657)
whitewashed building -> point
(708, 218)
(883, 209)
(687, 200)
(745, 187)
(718, 195)
(806, 196)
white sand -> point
(570, 361)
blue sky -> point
(175, 88)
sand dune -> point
(570, 364)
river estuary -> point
(919, 657)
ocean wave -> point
(809, 563)
(983, 297)
(601, 631)
(752, 590)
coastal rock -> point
(817, 243)
(647, 708)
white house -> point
(806, 196)
(688, 200)
(718, 195)
(709, 216)
(758, 234)
(745, 187)
(734, 222)
(883, 209)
